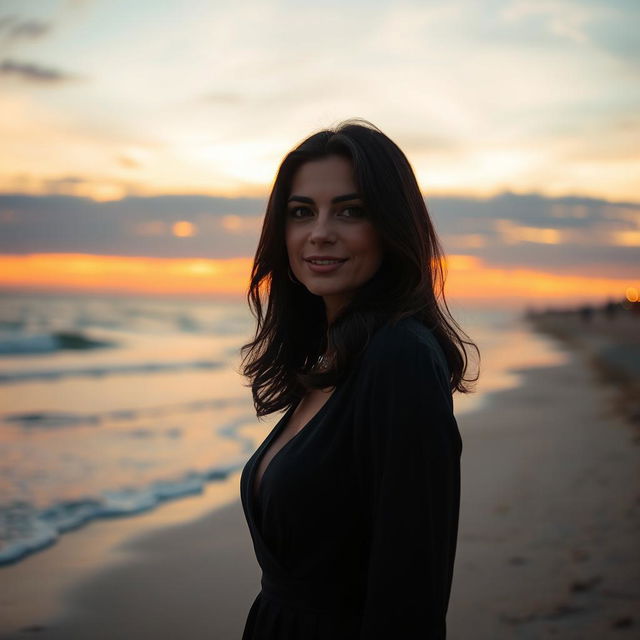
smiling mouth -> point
(326, 261)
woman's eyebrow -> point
(348, 196)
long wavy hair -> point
(292, 334)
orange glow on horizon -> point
(162, 276)
(475, 281)
(469, 279)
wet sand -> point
(547, 546)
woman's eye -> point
(293, 212)
(348, 212)
(354, 212)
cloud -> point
(579, 236)
(34, 73)
(571, 235)
(25, 29)
(133, 226)
(94, 187)
(241, 224)
(480, 100)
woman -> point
(352, 500)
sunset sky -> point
(140, 139)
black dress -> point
(356, 517)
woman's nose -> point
(322, 229)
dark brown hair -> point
(292, 332)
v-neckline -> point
(256, 492)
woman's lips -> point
(324, 268)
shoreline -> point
(61, 517)
(615, 360)
(91, 551)
(529, 560)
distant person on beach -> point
(352, 500)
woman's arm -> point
(408, 450)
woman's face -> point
(325, 219)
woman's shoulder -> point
(395, 346)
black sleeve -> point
(408, 450)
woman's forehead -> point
(324, 175)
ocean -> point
(110, 406)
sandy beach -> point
(547, 547)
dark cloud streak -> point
(29, 29)
(13, 28)
(66, 224)
(34, 73)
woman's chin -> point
(325, 291)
